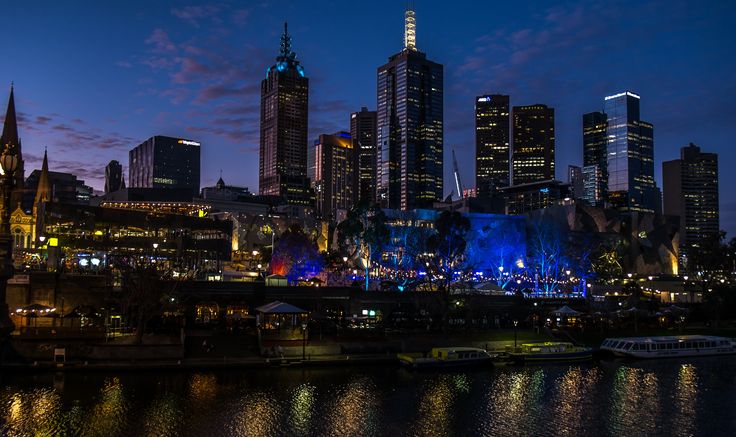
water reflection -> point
(302, 409)
(686, 397)
(513, 403)
(353, 409)
(635, 398)
(636, 402)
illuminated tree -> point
(546, 255)
(295, 255)
(363, 234)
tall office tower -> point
(691, 193)
(332, 172)
(410, 127)
(282, 167)
(592, 193)
(629, 156)
(10, 138)
(165, 162)
(114, 177)
(534, 144)
(492, 125)
(575, 180)
(363, 132)
(595, 153)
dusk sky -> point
(94, 79)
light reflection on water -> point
(611, 398)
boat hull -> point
(670, 354)
(552, 357)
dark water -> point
(662, 398)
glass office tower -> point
(492, 127)
(409, 128)
(534, 144)
(630, 156)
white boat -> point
(670, 346)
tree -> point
(295, 255)
(147, 285)
(448, 244)
(546, 249)
(363, 234)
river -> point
(617, 398)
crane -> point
(456, 172)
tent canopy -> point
(565, 311)
(277, 307)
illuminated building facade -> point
(282, 169)
(595, 153)
(592, 189)
(629, 168)
(691, 193)
(165, 162)
(332, 172)
(534, 144)
(523, 198)
(575, 180)
(410, 127)
(363, 131)
(492, 126)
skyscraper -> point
(534, 144)
(595, 154)
(363, 132)
(410, 127)
(629, 152)
(114, 177)
(691, 193)
(165, 162)
(332, 172)
(492, 124)
(282, 167)
(575, 180)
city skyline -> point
(161, 70)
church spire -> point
(43, 193)
(10, 126)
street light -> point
(516, 323)
(345, 259)
(304, 341)
(629, 275)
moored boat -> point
(669, 346)
(550, 351)
(446, 357)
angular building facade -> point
(629, 168)
(332, 172)
(165, 162)
(363, 132)
(282, 169)
(114, 177)
(9, 138)
(409, 127)
(691, 193)
(534, 144)
(492, 124)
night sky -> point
(94, 79)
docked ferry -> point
(446, 357)
(549, 351)
(674, 346)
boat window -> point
(681, 345)
(701, 344)
(636, 346)
(627, 346)
(669, 345)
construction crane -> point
(456, 172)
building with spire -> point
(282, 169)
(11, 139)
(410, 127)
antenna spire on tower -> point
(410, 27)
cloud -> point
(194, 14)
(160, 42)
